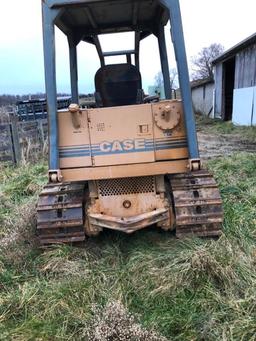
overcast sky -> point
(21, 53)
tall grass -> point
(147, 286)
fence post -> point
(15, 137)
(41, 131)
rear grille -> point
(126, 186)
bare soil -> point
(218, 145)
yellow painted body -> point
(120, 136)
(124, 153)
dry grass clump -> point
(4, 115)
(190, 264)
(61, 261)
(205, 290)
(33, 150)
(115, 323)
(19, 232)
(18, 196)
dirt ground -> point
(217, 145)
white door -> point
(243, 106)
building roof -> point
(200, 82)
(235, 49)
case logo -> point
(122, 146)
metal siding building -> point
(235, 83)
(202, 96)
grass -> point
(217, 126)
(18, 185)
(147, 286)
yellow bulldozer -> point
(131, 161)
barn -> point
(202, 96)
(235, 83)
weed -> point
(115, 323)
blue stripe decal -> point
(76, 146)
(70, 149)
(76, 151)
(63, 156)
(75, 154)
(100, 153)
(148, 141)
(168, 148)
(148, 145)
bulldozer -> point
(131, 161)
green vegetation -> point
(18, 186)
(138, 287)
(216, 126)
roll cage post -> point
(52, 10)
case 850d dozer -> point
(132, 161)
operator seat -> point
(117, 85)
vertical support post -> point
(181, 58)
(99, 50)
(41, 131)
(137, 50)
(34, 111)
(50, 83)
(164, 62)
(73, 69)
(27, 113)
(129, 58)
(15, 138)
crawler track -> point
(60, 214)
(196, 200)
(197, 204)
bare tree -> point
(202, 63)
(159, 81)
(173, 78)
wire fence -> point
(22, 141)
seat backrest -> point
(118, 84)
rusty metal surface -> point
(130, 224)
(60, 214)
(196, 200)
(129, 204)
(197, 203)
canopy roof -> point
(87, 18)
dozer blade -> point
(197, 204)
(60, 214)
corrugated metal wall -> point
(202, 98)
(218, 90)
(245, 74)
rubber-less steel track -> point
(60, 214)
(197, 204)
(196, 201)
